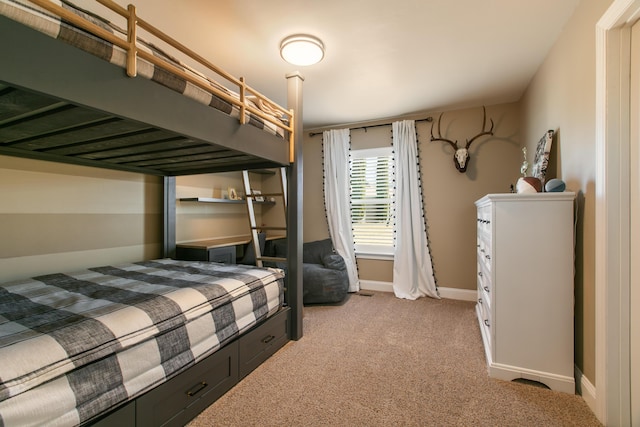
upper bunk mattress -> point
(39, 19)
(143, 322)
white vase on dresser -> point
(525, 245)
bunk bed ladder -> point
(251, 199)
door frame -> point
(612, 269)
(634, 235)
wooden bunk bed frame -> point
(40, 73)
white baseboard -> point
(459, 294)
(449, 293)
(374, 285)
(585, 389)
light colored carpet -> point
(383, 361)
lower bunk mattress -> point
(74, 346)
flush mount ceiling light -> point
(302, 49)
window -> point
(372, 200)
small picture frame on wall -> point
(541, 161)
(233, 194)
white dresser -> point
(525, 286)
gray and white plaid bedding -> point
(37, 18)
(75, 345)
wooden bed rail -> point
(130, 45)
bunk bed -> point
(76, 88)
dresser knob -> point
(486, 322)
(486, 288)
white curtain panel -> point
(412, 266)
(336, 199)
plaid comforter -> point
(75, 345)
(37, 18)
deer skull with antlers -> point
(461, 155)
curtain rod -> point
(428, 119)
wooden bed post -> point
(294, 207)
(169, 217)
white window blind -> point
(372, 200)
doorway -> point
(617, 214)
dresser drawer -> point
(180, 399)
(485, 311)
(484, 253)
(484, 277)
(257, 345)
(484, 220)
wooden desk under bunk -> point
(225, 250)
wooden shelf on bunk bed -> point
(216, 200)
(182, 398)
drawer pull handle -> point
(196, 389)
(488, 256)
(486, 288)
(480, 273)
(479, 300)
(486, 322)
(268, 339)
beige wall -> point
(561, 97)
(56, 217)
(448, 194)
(201, 221)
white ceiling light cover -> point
(302, 49)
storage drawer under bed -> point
(179, 400)
(259, 344)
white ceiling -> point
(383, 58)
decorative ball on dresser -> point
(555, 185)
(528, 184)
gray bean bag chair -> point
(324, 273)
